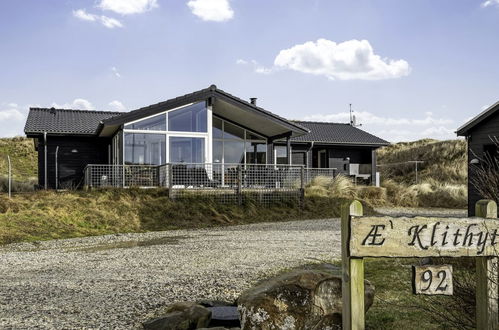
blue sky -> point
(412, 69)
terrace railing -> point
(229, 182)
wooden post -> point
(486, 277)
(353, 273)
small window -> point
(281, 154)
(192, 118)
(156, 123)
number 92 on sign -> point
(432, 280)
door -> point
(322, 159)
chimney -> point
(253, 101)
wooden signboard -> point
(401, 237)
(423, 237)
(432, 280)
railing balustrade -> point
(228, 181)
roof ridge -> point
(77, 110)
(319, 122)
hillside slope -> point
(444, 162)
(23, 157)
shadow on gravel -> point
(167, 240)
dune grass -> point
(23, 156)
(428, 194)
(48, 215)
(444, 161)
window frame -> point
(205, 135)
(244, 140)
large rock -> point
(300, 299)
(181, 316)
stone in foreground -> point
(300, 299)
(181, 316)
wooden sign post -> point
(400, 237)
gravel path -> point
(117, 281)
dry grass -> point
(343, 187)
(444, 161)
(23, 156)
(441, 178)
(48, 214)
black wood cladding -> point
(74, 154)
(478, 138)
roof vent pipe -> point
(253, 100)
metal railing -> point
(226, 182)
(121, 176)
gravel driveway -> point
(117, 281)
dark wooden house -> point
(480, 133)
(207, 126)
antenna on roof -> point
(353, 120)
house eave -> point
(464, 129)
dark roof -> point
(337, 133)
(65, 121)
(200, 95)
(463, 130)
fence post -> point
(352, 288)
(170, 179)
(486, 277)
(9, 179)
(302, 186)
(239, 189)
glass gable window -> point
(186, 150)
(145, 149)
(192, 118)
(233, 132)
(156, 123)
(217, 129)
(235, 145)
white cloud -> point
(353, 59)
(117, 106)
(11, 114)
(108, 22)
(396, 129)
(12, 119)
(489, 3)
(79, 104)
(128, 7)
(211, 10)
(84, 16)
(256, 66)
(115, 72)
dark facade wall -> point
(300, 154)
(479, 137)
(71, 164)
